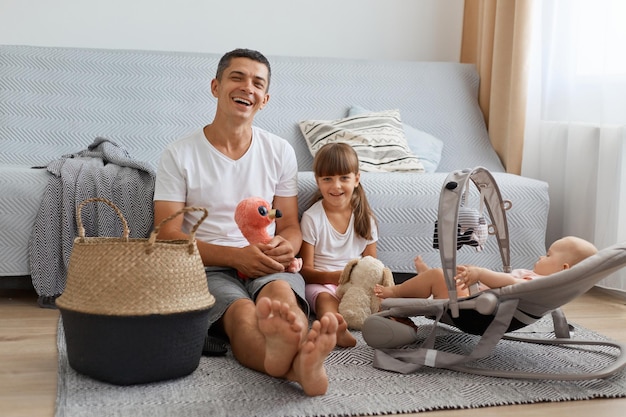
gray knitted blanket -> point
(104, 169)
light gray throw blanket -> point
(105, 170)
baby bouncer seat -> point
(491, 314)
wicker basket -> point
(135, 310)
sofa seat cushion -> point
(406, 207)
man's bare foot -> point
(308, 366)
(383, 292)
(283, 335)
(344, 337)
(420, 265)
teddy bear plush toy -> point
(356, 289)
(253, 215)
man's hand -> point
(253, 261)
(281, 251)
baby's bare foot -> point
(283, 335)
(344, 337)
(308, 366)
(420, 265)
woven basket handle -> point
(79, 220)
(192, 234)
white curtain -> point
(575, 137)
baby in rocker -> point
(562, 254)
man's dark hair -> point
(243, 53)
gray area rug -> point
(221, 387)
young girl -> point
(339, 226)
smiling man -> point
(264, 317)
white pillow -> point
(377, 138)
(424, 145)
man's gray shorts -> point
(227, 287)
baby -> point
(562, 254)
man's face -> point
(242, 91)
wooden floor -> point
(28, 358)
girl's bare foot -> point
(383, 292)
(344, 337)
(308, 366)
(420, 265)
(283, 335)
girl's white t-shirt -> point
(193, 171)
(333, 250)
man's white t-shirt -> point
(333, 250)
(193, 171)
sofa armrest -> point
(21, 192)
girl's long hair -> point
(339, 158)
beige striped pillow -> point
(378, 138)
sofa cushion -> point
(424, 145)
(378, 139)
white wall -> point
(371, 29)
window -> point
(584, 64)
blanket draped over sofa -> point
(105, 170)
(55, 101)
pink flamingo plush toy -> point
(253, 215)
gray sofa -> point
(56, 101)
